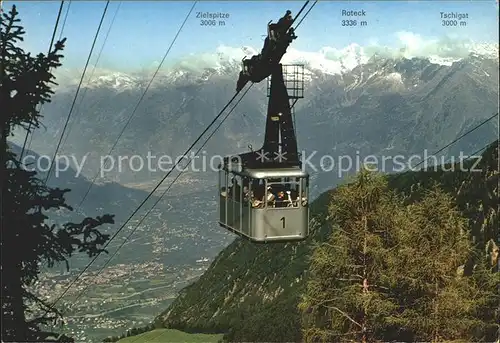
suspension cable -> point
(163, 194)
(170, 185)
(147, 198)
(77, 91)
(85, 89)
(64, 21)
(300, 11)
(50, 49)
(137, 105)
(459, 138)
(305, 15)
(60, 37)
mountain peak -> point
(226, 60)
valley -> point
(160, 258)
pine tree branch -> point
(344, 314)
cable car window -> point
(304, 191)
(257, 193)
(236, 188)
(246, 191)
(223, 183)
(230, 186)
(282, 194)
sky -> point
(143, 30)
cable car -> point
(264, 194)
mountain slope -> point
(111, 197)
(165, 335)
(251, 291)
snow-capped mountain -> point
(354, 103)
(226, 61)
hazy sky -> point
(143, 30)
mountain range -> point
(381, 105)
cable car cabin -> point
(264, 194)
(265, 205)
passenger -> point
(258, 195)
(251, 196)
(271, 198)
(288, 200)
(256, 203)
(294, 198)
(237, 190)
(304, 199)
(246, 194)
(280, 199)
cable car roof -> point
(270, 173)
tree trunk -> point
(14, 324)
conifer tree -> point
(390, 271)
(346, 299)
(487, 279)
(27, 239)
(436, 303)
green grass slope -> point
(250, 292)
(170, 336)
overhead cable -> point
(138, 103)
(77, 91)
(144, 201)
(50, 49)
(163, 194)
(72, 123)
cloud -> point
(443, 50)
(329, 60)
(414, 45)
